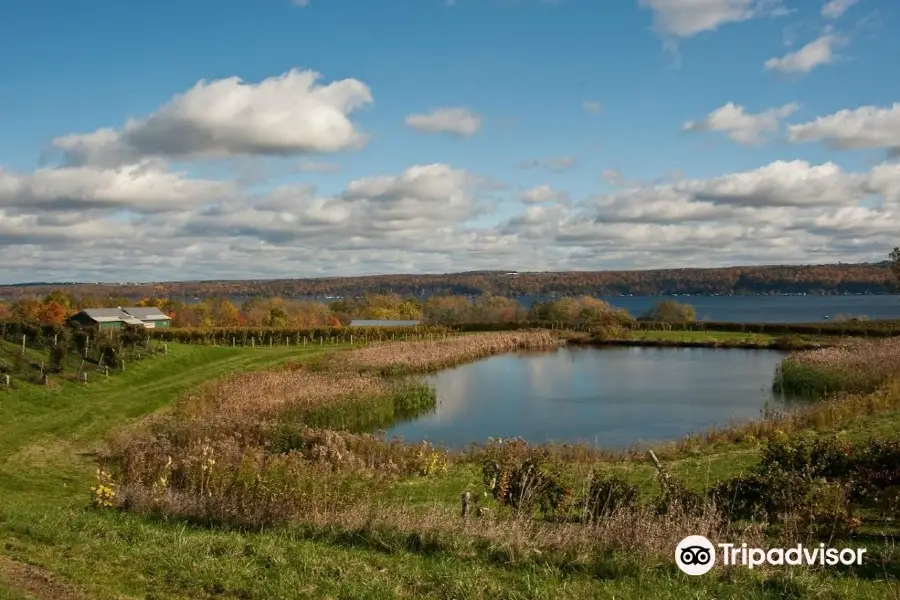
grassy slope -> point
(46, 440)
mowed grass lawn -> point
(53, 545)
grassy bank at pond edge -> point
(53, 545)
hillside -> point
(814, 279)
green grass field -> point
(701, 336)
(53, 545)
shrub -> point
(670, 311)
(811, 457)
(58, 355)
(523, 478)
(109, 354)
(607, 494)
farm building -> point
(115, 318)
(149, 316)
(382, 323)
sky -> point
(309, 138)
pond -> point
(610, 397)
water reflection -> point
(613, 397)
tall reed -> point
(424, 356)
(857, 368)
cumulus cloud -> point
(740, 126)
(142, 187)
(458, 121)
(141, 222)
(292, 114)
(860, 128)
(820, 51)
(555, 163)
(835, 9)
(686, 18)
(543, 193)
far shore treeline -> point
(864, 278)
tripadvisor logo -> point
(696, 555)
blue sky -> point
(606, 92)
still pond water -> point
(611, 397)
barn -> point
(115, 318)
(149, 316)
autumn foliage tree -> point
(895, 264)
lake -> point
(611, 397)
(772, 309)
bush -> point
(109, 354)
(58, 355)
(607, 494)
(523, 479)
(811, 457)
(795, 501)
(670, 311)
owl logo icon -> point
(695, 555)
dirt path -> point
(35, 582)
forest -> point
(872, 278)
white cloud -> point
(860, 128)
(740, 126)
(430, 218)
(458, 121)
(781, 183)
(543, 193)
(143, 187)
(835, 9)
(820, 51)
(555, 163)
(686, 18)
(287, 115)
(592, 106)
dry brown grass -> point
(858, 367)
(424, 356)
(266, 393)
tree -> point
(895, 264)
(53, 313)
(27, 309)
(446, 310)
(670, 311)
(60, 298)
